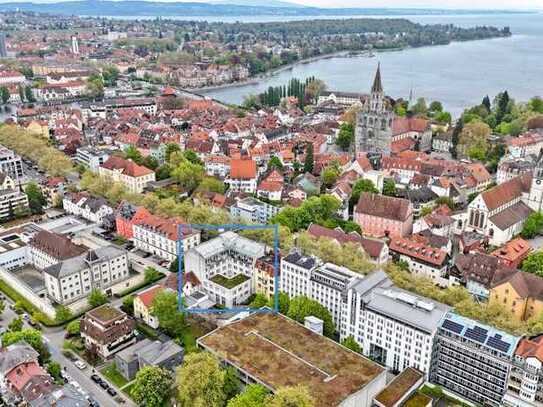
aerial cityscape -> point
(254, 203)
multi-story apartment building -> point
(91, 157)
(325, 283)
(48, 248)
(93, 209)
(11, 198)
(380, 215)
(243, 176)
(11, 163)
(226, 267)
(159, 236)
(217, 165)
(525, 387)
(393, 326)
(133, 176)
(74, 278)
(472, 359)
(265, 276)
(254, 211)
(106, 330)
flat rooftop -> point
(278, 351)
(399, 387)
(105, 313)
(229, 283)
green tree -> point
(62, 313)
(297, 396)
(362, 185)
(110, 74)
(132, 153)
(74, 327)
(200, 381)
(436, 106)
(275, 163)
(302, 306)
(36, 200)
(171, 148)
(212, 184)
(188, 174)
(95, 86)
(486, 103)
(55, 370)
(2, 307)
(192, 157)
(330, 174)
(536, 104)
(309, 162)
(534, 263)
(259, 301)
(389, 187)
(350, 343)
(16, 324)
(128, 304)
(254, 395)
(420, 107)
(151, 274)
(174, 266)
(96, 298)
(283, 302)
(345, 136)
(31, 336)
(150, 162)
(164, 307)
(152, 386)
(232, 383)
(533, 226)
(443, 117)
(4, 95)
(29, 96)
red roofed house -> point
(159, 236)
(380, 215)
(126, 215)
(271, 187)
(513, 252)
(243, 176)
(133, 176)
(524, 386)
(142, 305)
(11, 77)
(415, 128)
(422, 259)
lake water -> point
(459, 74)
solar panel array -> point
(497, 343)
(477, 334)
(452, 326)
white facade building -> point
(88, 207)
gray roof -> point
(82, 262)
(65, 396)
(230, 241)
(13, 355)
(150, 352)
(306, 262)
(380, 295)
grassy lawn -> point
(229, 282)
(147, 331)
(113, 375)
(75, 345)
(127, 389)
(10, 292)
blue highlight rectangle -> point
(234, 227)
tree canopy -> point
(302, 306)
(152, 386)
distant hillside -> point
(225, 8)
(259, 3)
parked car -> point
(111, 391)
(103, 384)
(95, 378)
(93, 403)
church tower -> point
(373, 132)
(535, 199)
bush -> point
(27, 305)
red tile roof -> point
(506, 192)
(418, 251)
(513, 250)
(242, 169)
(384, 206)
(403, 125)
(128, 167)
(531, 348)
(147, 296)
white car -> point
(80, 364)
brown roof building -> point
(106, 330)
(380, 215)
(48, 248)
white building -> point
(159, 236)
(48, 248)
(91, 157)
(243, 176)
(217, 165)
(11, 163)
(393, 326)
(88, 207)
(324, 283)
(12, 200)
(225, 266)
(74, 278)
(253, 211)
(133, 176)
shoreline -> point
(338, 54)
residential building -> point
(143, 302)
(159, 236)
(513, 252)
(48, 248)
(373, 131)
(93, 209)
(472, 360)
(217, 165)
(126, 215)
(10, 77)
(107, 330)
(414, 128)
(265, 275)
(526, 376)
(243, 176)
(91, 157)
(251, 210)
(74, 278)
(393, 326)
(442, 142)
(167, 355)
(380, 215)
(12, 199)
(519, 292)
(525, 144)
(341, 98)
(133, 176)
(422, 259)
(11, 164)
(276, 351)
(3, 48)
(510, 167)
(225, 266)
(324, 283)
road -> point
(54, 337)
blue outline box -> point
(234, 227)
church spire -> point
(377, 84)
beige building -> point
(133, 176)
